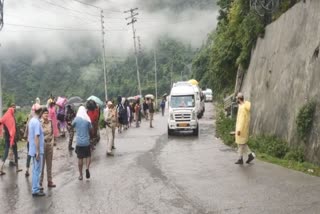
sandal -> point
(80, 178)
(27, 174)
(2, 173)
(18, 170)
(87, 174)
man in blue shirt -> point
(36, 150)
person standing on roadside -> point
(9, 124)
(37, 101)
(48, 148)
(151, 111)
(53, 118)
(162, 106)
(70, 115)
(82, 125)
(242, 129)
(145, 108)
(137, 113)
(36, 150)
(111, 124)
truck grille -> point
(182, 117)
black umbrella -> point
(75, 101)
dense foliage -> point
(231, 44)
(23, 81)
(304, 120)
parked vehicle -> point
(184, 106)
(208, 95)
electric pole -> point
(1, 13)
(104, 57)
(133, 18)
(139, 45)
(1, 26)
(155, 75)
(0, 89)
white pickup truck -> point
(183, 108)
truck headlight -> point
(193, 115)
(171, 116)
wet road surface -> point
(154, 173)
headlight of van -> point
(193, 115)
(171, 116)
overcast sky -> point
(55, 29)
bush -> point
(101, 122)
(296, 154)
(269, 145)
(21, 119)
(305, 119)
(224, 126)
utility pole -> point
(104, 57)
(0, 89)
(133, 18)
(1, 13)
(1, 26)
(155, 75)
(171, 70)
(139, 45)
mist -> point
(45, 31)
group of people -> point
(46, 123)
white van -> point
(208, 95)
(183, 108)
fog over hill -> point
(54, 30)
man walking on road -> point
(36, 150)
(111, 124)
(70, 115)
(151, 111)
(242, 129)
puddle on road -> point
(149, 162)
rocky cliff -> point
(284, 74)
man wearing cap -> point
(36, 149)
(242, 129)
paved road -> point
(152, 173)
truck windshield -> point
(182, 101)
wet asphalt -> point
(154, 173)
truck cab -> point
(183, 109)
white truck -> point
(183, 108)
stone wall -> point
(284, 75)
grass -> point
(305, 167)
(267, 148)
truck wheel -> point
(196, 131)
(169, 131)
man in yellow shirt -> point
(242, 129)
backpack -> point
(121, 111)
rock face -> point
(284, 75)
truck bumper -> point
(190, 125)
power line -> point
(84, 3)
(51, 28)
(72, 14)
(66, 8)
